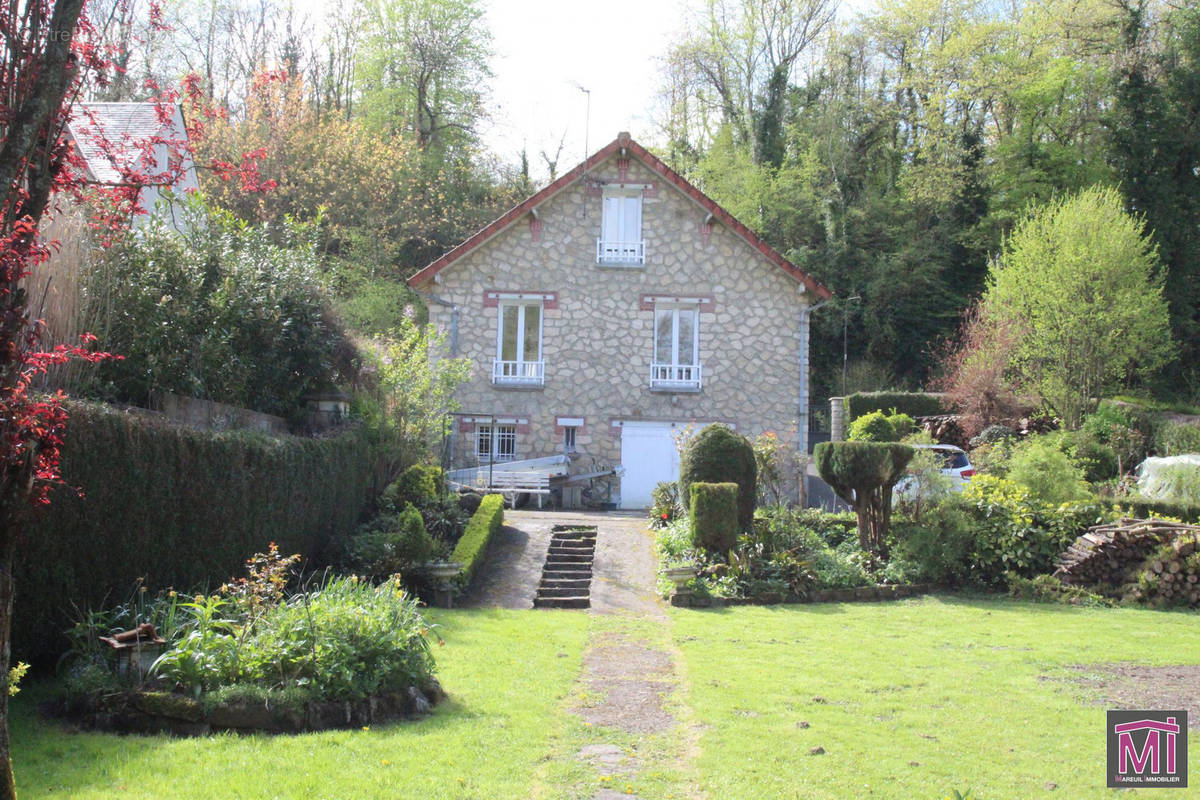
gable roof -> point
(622, 142)
(128, 129)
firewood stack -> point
(1147, 560)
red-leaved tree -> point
(52, 53)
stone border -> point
(859, 594)
(156, 712)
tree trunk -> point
(8, 535)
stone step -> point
(561, 602)
(570, 551)
(550, 582)
(581, 536)
(566, 591)
(569, 558)
(557, 575)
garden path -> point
(631, 687)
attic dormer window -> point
(620, 242)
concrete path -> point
(623, 573)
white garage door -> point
(650, 456)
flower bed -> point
(255, 656)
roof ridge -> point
(625, 143)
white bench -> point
(514, 483)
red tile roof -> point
(650, 160)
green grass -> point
(507, 673)
(913, 699)
(909, 699)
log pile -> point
(1148, 560)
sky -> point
(546, 49)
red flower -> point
(665, 515)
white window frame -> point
(674, 374)
(570, 438)
(628, 248)
(492, 439)
(521, 371)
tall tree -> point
(1154, 128)
(42, 63)
(1079, 282)
(424, 67)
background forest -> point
(888, 153)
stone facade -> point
(598, 321)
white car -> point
(955, 465)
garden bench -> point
(514, 483)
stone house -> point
(612, 312)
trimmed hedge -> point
(484, 524)
(915, 404)
(715, 455)
(714, 509)
(1144, 507)
(176, 507)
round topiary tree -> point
(863, 474)
(718, 455)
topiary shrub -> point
(915, 404)
(714, 511)
(880, 427)
(484, 525)
(718, 455)
(392, 543)
(863, 474)
(419, 485)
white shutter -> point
(611, 231)
(631, 227)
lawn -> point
(508, 675)
(908, 699)
(916, 698)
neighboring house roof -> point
(113, 138)
(623, 141)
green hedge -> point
(714, 509)
(1144, 507)
(177, 507)
(484, 524)
(915, 404)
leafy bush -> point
(484, 524)
(718, 455)
(179, 506)
(392, 543)
(1144, 507)
(419, 485)
(1047, 473)
(914, 404)
(665, 506)
(345, 640)
(714, 515)
(1174, 438)
(1098, 461)
(880, 427)
(863, 474)
(1125, 433)
(1015, 532)
(225, 311)
(939, 546)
